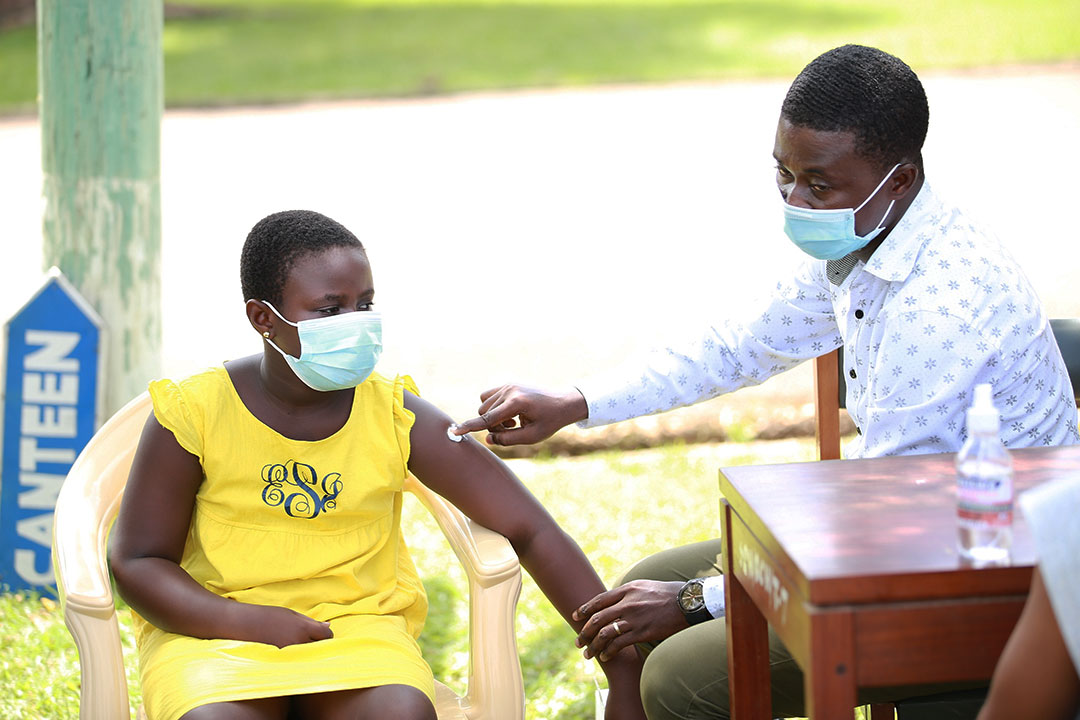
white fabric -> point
(940, 308)
(1051, 511)
(713, 593)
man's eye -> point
(782, 171)
(328, 310)
(365, 307)
(819, 188)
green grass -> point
(253, 51)
(619, 506)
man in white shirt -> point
(925, 303)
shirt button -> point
(852, 373)
(858, 429)
(859, 314)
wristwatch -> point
(691, 600)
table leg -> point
(747, 642)
(830, 679)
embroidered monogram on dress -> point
(297, 489)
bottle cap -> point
(982, 416)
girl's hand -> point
(274, 625)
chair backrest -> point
(1067, 334)
(830, 387)
(90, 498)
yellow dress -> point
(312, 526)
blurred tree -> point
(101, 78)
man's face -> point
(820, 169)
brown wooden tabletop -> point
(875, 541)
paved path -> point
(538, 236)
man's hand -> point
(515, 415)
(645, 610)
(274, 625)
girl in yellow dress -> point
(259, 541)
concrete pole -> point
(100, 80)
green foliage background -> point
(258, 51)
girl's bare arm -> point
(484, 488)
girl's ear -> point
(260, 317)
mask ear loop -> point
(269, 339)
(868, 198)
(282, 317)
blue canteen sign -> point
(52, 393)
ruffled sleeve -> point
(403, 417)
(175, 414)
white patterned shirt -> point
(940, 308)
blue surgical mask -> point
(336, 352)
(830, 234)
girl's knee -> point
(412, 705)
(257, 709)
(401, 702)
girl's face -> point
(337, 280)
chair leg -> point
(882, 711)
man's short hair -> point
(275, 244)
(865, 91)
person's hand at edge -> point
(639, 611)
(516, 415)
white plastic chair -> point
(88, 503)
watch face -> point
(691, 597)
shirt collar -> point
(895, 258)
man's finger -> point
(487, 420)
(601, 643)
(473, 425)
(525, 435)
(595, 624)
(598, 602)
(616, 646)
(489, 392)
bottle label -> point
(984, 502)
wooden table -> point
(854, 564)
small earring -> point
(266, 334)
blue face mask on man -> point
(336, 352)
(830, 234)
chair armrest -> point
(486, 555)
(495, 685)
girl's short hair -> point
(275, 244)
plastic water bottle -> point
(984, 485)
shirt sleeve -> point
(173, 411)
(1050, 511)
(797, 323)
(713, 593)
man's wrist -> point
(577, 407)
(691, 602)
